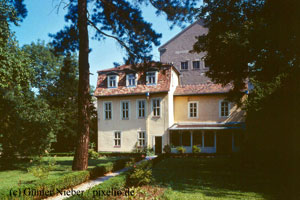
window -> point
(196, 64)
(156, 107)
(184, 65)
(107, 110)
(117, 138)
(193, 109)
(112, 81)
(209, 139)
(204, 64)
(186, 138)
(142, 139)
(151, 78)
(141, 105)
(125, 109)
(197, 138)
(175, 138)
(224, 109)
(131, 80)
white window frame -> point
(194, 62)
(109, 79)
(187, 67)
(141, 139)
(203, 64)
(152, 107)
(128, 80)
(104, 110)
(189, 109)
(138, 108)
(220, 108)
(117, 138)
(148, 77)
(121, 110)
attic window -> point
(112, 81)
(151, 78)
(184, 65)
(131, 80)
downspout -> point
(147, 119)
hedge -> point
(62, 154)
(66, 181)
(116, 183)
(107, 154)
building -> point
(135, 108)
(177, 52)
(171, 103)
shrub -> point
(181, 149)
(196, 149)
(141, 175)
(70, 180)
(149, 151)
(93, 154)
(167, 149)
(41, 169)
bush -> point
(70, 180)
(167, 149)
(93, 154)
(149, 151)
(64, 154)
(41, 169)
(181, 149)
(141, 175)
(196, 149)
(118, 182)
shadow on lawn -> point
(213, 177)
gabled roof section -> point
(180, 33)
(207, 88)
(163, 82)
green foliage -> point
(93, 154)
(141, 175)
(196, 149)
(68, 179)
(167, 149)
(246, 29)
(41, 169)
(181, 149)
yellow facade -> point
(208, 109)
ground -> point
(19, 175)
(209, 178)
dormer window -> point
(112, 81)
(131, 80)
(151, 78)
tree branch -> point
(114, 37)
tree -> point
(24, 131)
(258, 40)
(121, 20)
(45, 65)
(244, 41)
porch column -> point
(180, 138)
(202, 139)
(215, 140)
(191, 135)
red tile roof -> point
(207, 88)
(163, 82)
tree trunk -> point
(80, 161)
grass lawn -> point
(209, 178)
(19, 175)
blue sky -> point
(43, 18)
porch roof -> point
(207, 126)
